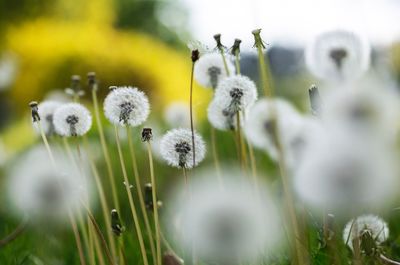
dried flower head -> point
(338, 56)
(176, 148)
(46, 111)
(126, 106)
(72, 119)
(209, 70)
(263, 116)
(371, 231)
(116, 224)
(147, 134)
(34, 111)
(177, 115)
(236, 93)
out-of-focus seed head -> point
(72, 119)
(210, 70)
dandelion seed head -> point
(363, 110)
(126, 106)
(72, 119)
(177, 150)
(258, 127)
(373, 224)
(45, 193)
(342, 172)
(226, 225)
(220, 119)
(236, 93)
(46, 111)
(209, 70)
(338, 56)
(177, 114)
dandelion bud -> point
(371, 231)
(34, 111)
(116, 225)
(210, 70)
(195, 55)
(217, 38)
(126, 106)
(315, 100)
(147, 135)
(258, 42)
(148, 197)
(76, 82)
(176, 148)
(72, 119)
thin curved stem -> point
(140, 194)
(191, 113)
(387, 260)
(155, 208)
(16, 233)
(130, 199)
(215, 155)
(104, 148)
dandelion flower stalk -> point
(130, 198)
(146, 137)
(263, 65)
(17, 232)
(215, 155)
(36, 119)
(140, 193)
(194, 57)
(94, 87)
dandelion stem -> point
(239, 139)
(264, 71)
(103, 201)
(191, 112)
(130, 198)
(17, 232)
(189, 197)
(99, 234)
(140, 193)
(155, 208)
(99, 250)
(70, 216)
(237, 62)
(215, 155)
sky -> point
(292, 22)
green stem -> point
(191, 114)
(215, 155)
(237, 62)
(221, 51)
(155, 208)
(140, 194)
(130, 199)
(104, 147)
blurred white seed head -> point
(72, 119)
(209, 70)
(177, 149)
(342, 172)
(45, 193)
(220, 119)
(46, 112)
(177, 114)
(338, 56)
(363, 110)
(374, 225)
(236, 93)
(226, 225)
(8, 70)
(259, 125)
(126, 106)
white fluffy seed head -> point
(46, 110)
(220, 119)
(374, 225)
(209, 70)
(342, 172)
(226, 225)
(72, 119)
(338, 56)
(235, 93)
(258, 127)
(177, 114)
(126, 106)
(45, 193)
(177, 149)
(363, 110)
